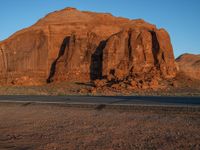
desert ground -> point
(46, 127)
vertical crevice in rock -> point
(129, 47)
(163, 57)
(155, 47)
(61, 53)
(96, 62)
(70, 49)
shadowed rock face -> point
(189, 64)
(71, 45)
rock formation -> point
(139, 51)
(73, 45)
(189, 64)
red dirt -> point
(41, 127)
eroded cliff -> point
(73, 45)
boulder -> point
(133, 83)
(100, 83)
(154, 84)
(116, 86)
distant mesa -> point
(189, 64)
(80, 46)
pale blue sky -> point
(181, 18)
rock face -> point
(189, 64)
(73, 45)
(135, 52)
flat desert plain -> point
(49, 127)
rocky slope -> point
(73, 45)
(189, 64)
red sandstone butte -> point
(189, 64)
(73, 45)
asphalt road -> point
(106, 100)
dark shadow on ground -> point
(86, 84)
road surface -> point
(106, 100)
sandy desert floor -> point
(48, 127)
